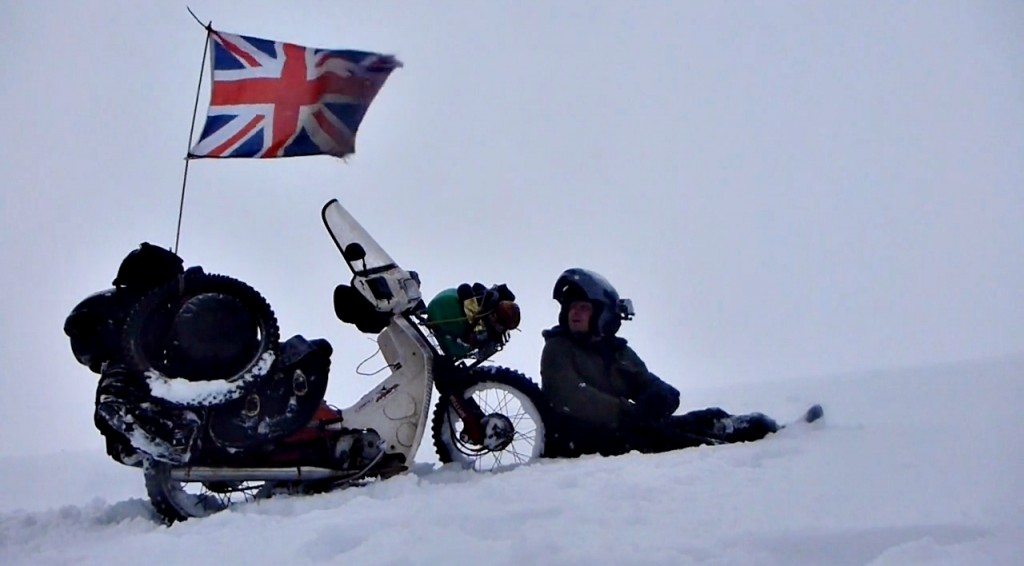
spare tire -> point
(201, 339)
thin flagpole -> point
(191, 131)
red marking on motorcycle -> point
(384, 392)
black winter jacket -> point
(599, 391)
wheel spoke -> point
(487, 405)
(525, 436)
(517, 417)
(503, 401)
(507, 399)
(522, 447)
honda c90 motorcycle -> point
(197, 389)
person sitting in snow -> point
(603, 398)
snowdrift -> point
(909, 466)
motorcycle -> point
(197, 389)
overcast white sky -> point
(783, 188)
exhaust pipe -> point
(294, 473)
(297, 473)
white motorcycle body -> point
(399, 406)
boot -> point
(744, 428)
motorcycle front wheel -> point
(176, 500)
(513, 409)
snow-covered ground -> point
(908, 466)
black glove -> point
(467, 291)
(658, 401)
(487, 298)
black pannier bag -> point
(94, 328)
(281, 403)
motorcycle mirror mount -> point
(354, 252)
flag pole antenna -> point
(192, 129)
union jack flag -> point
(276, 99)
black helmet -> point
(578, 284)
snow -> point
(206, 393)
(913, 466)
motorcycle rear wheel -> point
(176, 500)
(504, 395)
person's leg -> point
(720, 426)
(675, 432)
(696, 428)
(701, 422)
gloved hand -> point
(483, 299)
(658, 401)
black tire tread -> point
(179, 290)
(158, 483)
